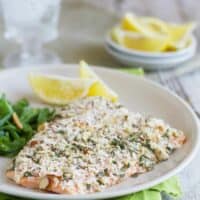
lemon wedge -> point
(99, 88)
(147, 26)
(131, 23)
(59, 90)
(152, 34)
(180, 35)
(132, 40)
(154, 25)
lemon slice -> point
(132, 40)
(57, 89)
(99, 88)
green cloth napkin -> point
(170, 187)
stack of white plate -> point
(148, 60)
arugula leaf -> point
(45, 115)
(29, 115)
(8, 146)
(27, 131)
(19, 106)
(5, 110)
(8, 197)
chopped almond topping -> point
(44, 182)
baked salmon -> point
(91, 145)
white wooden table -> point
(82, 28)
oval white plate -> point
(139, 95)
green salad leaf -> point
(45, 114)
(19, 106)
(8, 197)
(5, 110)
(134, 71)
(14, 133)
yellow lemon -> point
(132, 40)
(180, 35)
(130, 23)
(59, 90)
(99, 88)
(144, 25)
(148, 32)
(154, 25)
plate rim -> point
(151, 60)
(154, 64)
(174, 171)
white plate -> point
(149, 63)
(149, 60)
(139, 95)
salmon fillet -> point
(92, 144)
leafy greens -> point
(18, 123)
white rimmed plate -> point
(139, 95)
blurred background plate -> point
(150, 61)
